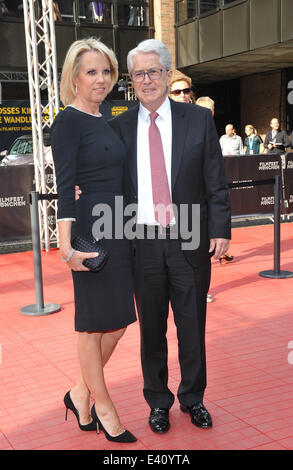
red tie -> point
(161, 192)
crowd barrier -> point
(276, 272)
(16, 184)
(256, 198)
(246, 199)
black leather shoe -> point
(159, 420)
(199, 415)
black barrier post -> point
(39, 308)
(276, 273)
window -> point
(12, 8)
(132, 13)
(185, 9)
(95, 12)
(64, 10)
(22, 147)
(208, 5)
(188, 9)
(110, 12)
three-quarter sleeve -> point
(65, 139)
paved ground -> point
(249, 353)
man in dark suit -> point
(166, 269)
(276, 140)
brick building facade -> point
(164, 20)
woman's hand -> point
(77, 259)
(78, 192)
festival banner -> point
(16, 184)
(288, 182)
(16, 120)
(253, 198)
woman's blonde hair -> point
(178, 76)
(206, 102)
(72, 63)
(251, 127)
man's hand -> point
(78, 192)
(220, 245)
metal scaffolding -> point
(42, 72)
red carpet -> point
(249, 353)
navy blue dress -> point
(87, 152)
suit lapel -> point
(179, 128)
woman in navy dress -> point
(88, 153)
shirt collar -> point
(163, 111)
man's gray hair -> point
(151, 46)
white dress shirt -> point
(231, 145)
(145, 213)
(274, 135)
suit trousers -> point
(163, 276)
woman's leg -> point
(80, 396)
(91, 363)
(94, 350)
(80, 393)
(109, 343)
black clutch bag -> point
(80, 243)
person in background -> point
(56, 12)
(230, 142)
(181, 88)
(276, 140)
(207, 102)
(3, 8)
(252, 142)
(88, 153)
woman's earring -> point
(76, 89)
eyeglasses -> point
(153, 74)
(185, 91)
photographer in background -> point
(276, 140)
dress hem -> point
(105, 329)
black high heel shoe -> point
(125, 436)
(69, 405)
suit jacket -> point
(281, 138)
(197, 171)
